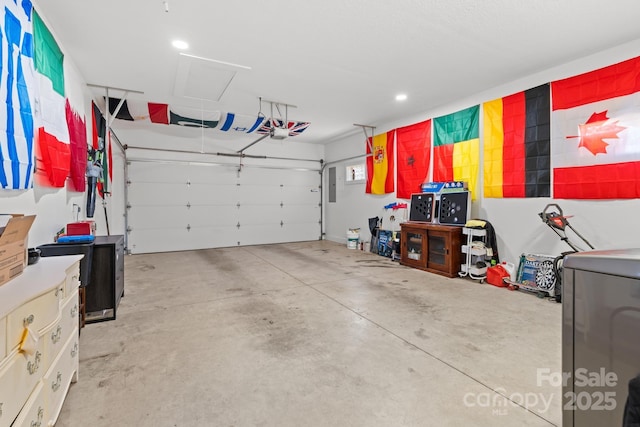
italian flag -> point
(456, 152)
(596, 133)
(54, 154)
(517, 144)
(414, 146)
(380, 175)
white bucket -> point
(353, 238)
(511, 269)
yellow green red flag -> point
(456, 152)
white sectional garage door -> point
(182, 206)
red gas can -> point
(495, 275)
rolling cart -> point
(474, 253)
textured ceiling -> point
(340, 62)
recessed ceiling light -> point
(401, 97)
(179, 44)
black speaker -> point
(422, 207)
(454, 208)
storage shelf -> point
(473, 270)
(474, 251)
(474, 231)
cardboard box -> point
(14, 247)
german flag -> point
(517, 145)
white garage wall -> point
(53, 207)
(606, 224)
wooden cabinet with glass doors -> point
(431, 247)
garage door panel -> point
(300, 194)
(158, 218)
(195, 206)
(213, 193)
(276, 233)
(199, 175)
(301, 214)
(259, 193)
(213, 216)
(169, 240)
(258, 234)
(158, 193)
(162, 172)
(303, 231)
(259, 214)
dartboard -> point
(545, 276)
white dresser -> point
(44, 298)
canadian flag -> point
(596, 134)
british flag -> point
(295, 128)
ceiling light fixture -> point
(401, 97)
(179, 44)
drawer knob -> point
(55, 386)
(0, 410)
(32, 367)
(55, 336)
(28, 320)
(38, 422)
(74, 311)
(74, 349)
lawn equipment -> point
(553, 216)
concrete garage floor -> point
(314, 334)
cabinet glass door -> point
(438, 252)
(414, 246)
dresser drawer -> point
(9, 406)
(33, 414)
(59, 376)
(18, 378)
(73, 279)
(3, 338)
(37, 314)
(58, 334)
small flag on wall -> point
(101, 155)
(456, 152)
(54, 152)
(380, 175)
(414, 146)
(78, 146)
(596, 133)
(18, 92)
(517, 145)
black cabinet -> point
(106, 285)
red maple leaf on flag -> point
(595, 131)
